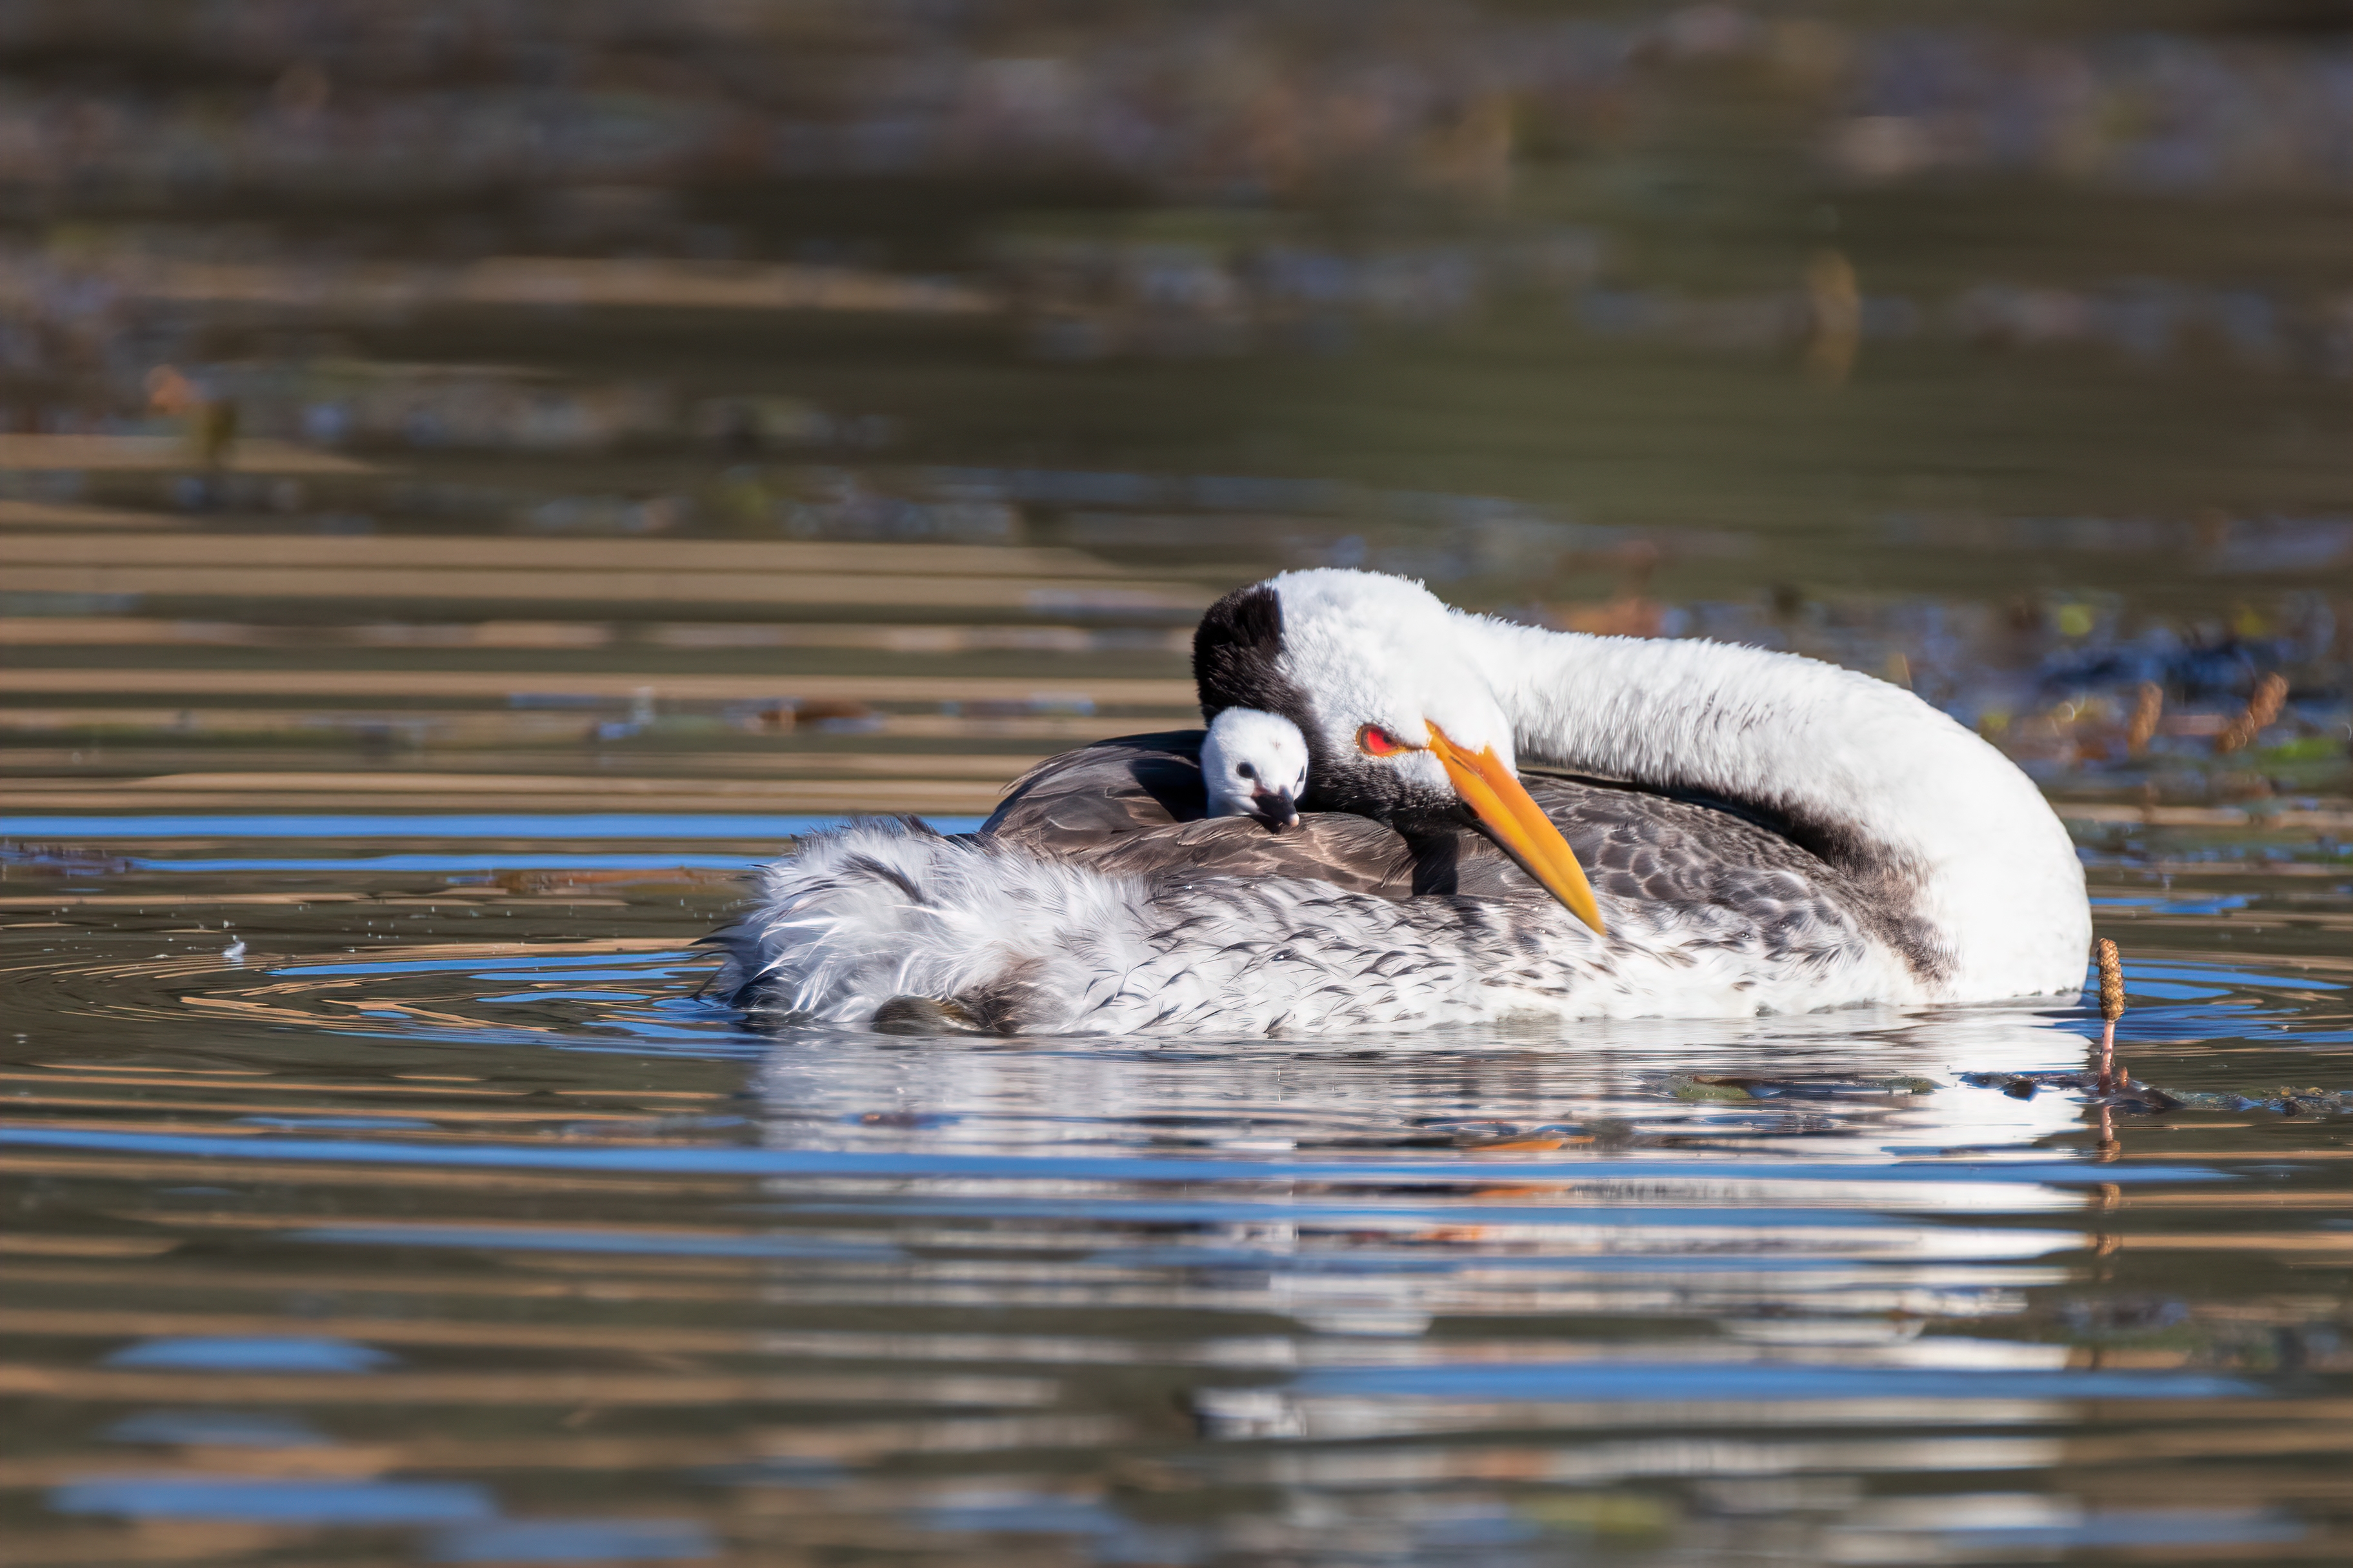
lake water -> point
(399, 1195)
(639, 460)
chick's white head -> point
(1255, 765)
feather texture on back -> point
(1097, 899)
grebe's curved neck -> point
(1860, 771)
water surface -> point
(471, 490)
(374, 1199)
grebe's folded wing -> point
(1134, 806)
(1661, 852)
(1352, 853)
(1081, 800)
(1640, 845)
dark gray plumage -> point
(1133, 805)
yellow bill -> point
(1494, 794)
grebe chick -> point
(1255, 765)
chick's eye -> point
(1245, 771)
(1375, 741)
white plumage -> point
(879, 911)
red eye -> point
(1375, 741)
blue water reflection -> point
(691, 1160)
(456, 864)
(255, 1500)
(621, 826)
(217, 1429)
(590, 967)
(289, 1356)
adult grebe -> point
(1766, 833)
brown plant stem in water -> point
(2146, 711)
(2112, 1007)
(2262, 708)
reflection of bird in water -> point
(1767, 833)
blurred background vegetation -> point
(421, 398)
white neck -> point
(1863, 772)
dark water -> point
(470, 490)
(440, 1219)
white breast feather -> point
(876, 911)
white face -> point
(1403, 703)
(1383, 666)
(1255, 765)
